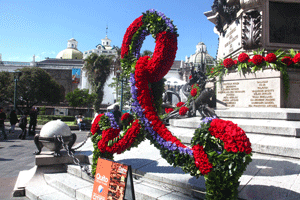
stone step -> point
(71, 185)
(288, 114)
(266, 144)
(149, 186)
(44, 191)
(260, 126)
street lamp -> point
(122, 84)
(17, 75)
(117, 88)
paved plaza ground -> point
(17, 155)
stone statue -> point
(200, 104)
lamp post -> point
(117, 88)
(17, 75)
(122, 85)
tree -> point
(6, 87)
(98, 70)
(147, 53)
(35, 85)
(80, 98)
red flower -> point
(183, 110)
(257, 60)
(235, 62)
(243, 57)
(163, 56)
(190, 77)
(201, 159)
(179, 104)
(125, 116)
(228, 63)
(168, 110)
(134, 26)
(234, 137)
(271, 58)
(95, 126)
(194, 92)
(212, 70)
(287, 60)
(296, 59)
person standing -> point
(117, 115)
(22, 125)
(80, 123)
(2, 127)
(13, 119)
(33, 120)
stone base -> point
(263, 89)
(47, 158)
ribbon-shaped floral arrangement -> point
(220, 149)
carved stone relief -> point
(251, 32)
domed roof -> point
(70, 53)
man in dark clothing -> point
(33, 120)
(13, 120)
(117, 115)
(2, 118)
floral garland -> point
(142, 71)
(278, 60)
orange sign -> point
(110, 180)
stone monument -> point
(247, 25)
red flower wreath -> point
(243, 57)
(201, 159)
(95, 126)
(228, 63)
(296, 59)
(287, 60)
(271, 58)
(194, 92)
(234, 137)
(134, 26)
(257, 60)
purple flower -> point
(111, 118)
(190, 152)
(151, 10)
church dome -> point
(71, 52)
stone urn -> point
(250, 4)
(54, 135)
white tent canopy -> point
(174, 81)
(111, 107)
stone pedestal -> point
(261, 89)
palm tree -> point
(98, 70)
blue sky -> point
(43, 27)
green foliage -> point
(219, 70)
(147, 53)
(42, 110)
(6, 86)
(158, 88)
(35, 85)
(98, 70)
(80, 98)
